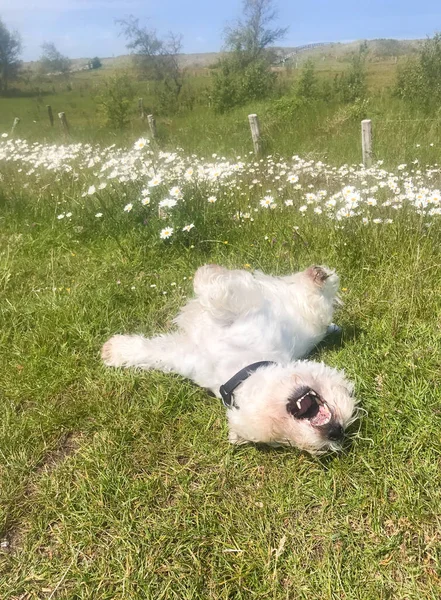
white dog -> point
(239, 337)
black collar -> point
(226, 390)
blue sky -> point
(84, 28)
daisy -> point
(188, 227)
(155, 181)
(141, 143)
(128, 207)
(167, 203)
(175, 192)
(267, 201)
(166, 233)
(212, 199)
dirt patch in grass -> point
(13, 531)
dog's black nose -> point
(335, 432)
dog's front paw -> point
(111, 351)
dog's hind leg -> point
(164, 352)
(226, 294)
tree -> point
(252, 35)
(245, 74)
(52, 61)
(10, 50)
(95, 63)
(155, 58)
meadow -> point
(122, 485)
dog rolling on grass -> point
(242, 337)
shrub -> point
(115, 100)
(307, 86)
(351, 85)
(235, 84)
(419, 80)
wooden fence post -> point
(141, 108)
(152, 125)
(62, 117)
(14, 125)
(50, 114)
(366, 142)
(255, 133)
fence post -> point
(62, 117)
(152, 125)
(255, 133)
(14, 125)
(366, 142)
(50, 114)
(141, 108)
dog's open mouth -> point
(310, 406)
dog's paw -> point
(111, 351)
(319, 274)
(325, 279)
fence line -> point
(256, 135)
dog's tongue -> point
(322, 417)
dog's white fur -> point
(236, 319)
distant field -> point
(322, 130)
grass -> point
(123, 485)
(328, 131)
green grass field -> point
(327, 131)
(122, 485)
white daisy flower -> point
(167, 203)
(267, 201)
(166, 233)
(141, 143)
(155, 181)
